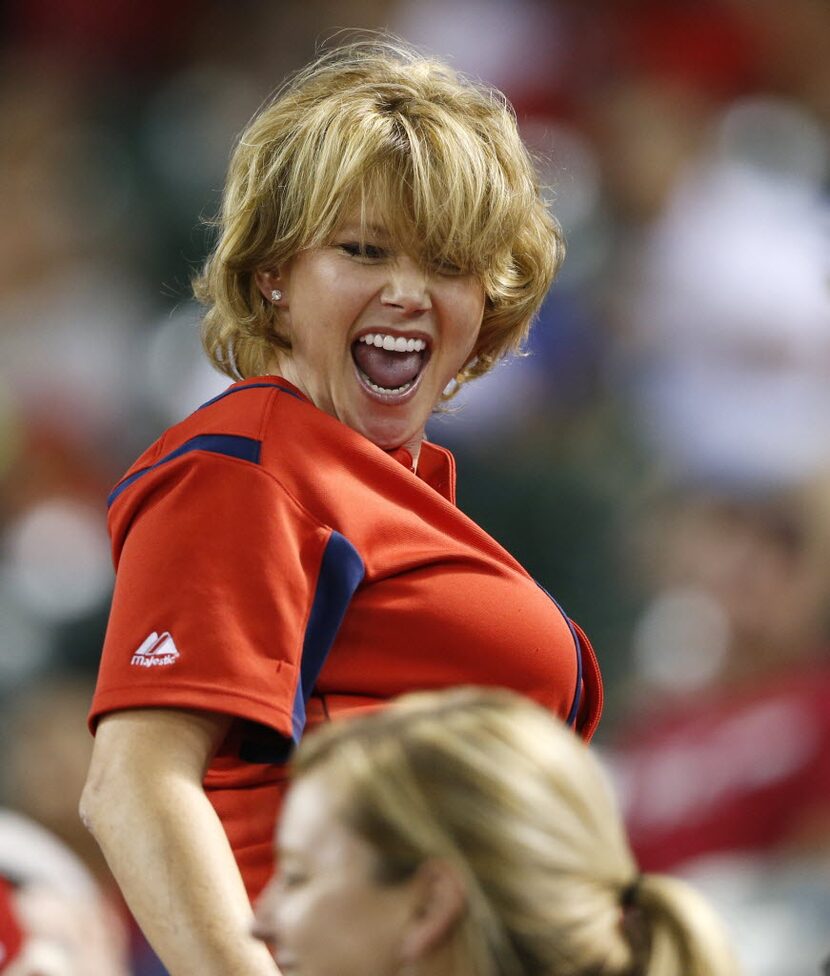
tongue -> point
(387, 369)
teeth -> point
(393, 343)
(383, 390)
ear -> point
(440, 902)
(267, 282)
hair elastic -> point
(630, 894)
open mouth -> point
(389, 365)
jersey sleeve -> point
(589, 699)
(227, 597)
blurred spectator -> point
(46, 752)
(54, 920)
(724, 762)
(46, 756)
(725, 341)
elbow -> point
(90, 803)
(103, 794)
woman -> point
(466, 833)
(292, 550)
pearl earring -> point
(276, 295)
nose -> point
(407, 287)
(264, 924)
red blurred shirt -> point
(11, 933)
(729, 772)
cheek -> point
(294, 914)
(362, 935)
(468, 310)
(265, 913)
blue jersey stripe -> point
(231, 445)
(574, 710)
(573, 714)
(252, 386)
(341, 572)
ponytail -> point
(673, 931)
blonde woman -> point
(292, 550)
(467, 833)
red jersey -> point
(274, 565)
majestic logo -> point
(156, 651)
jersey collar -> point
(436, 465)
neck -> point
(284, 368)
(449, 957)
(414, 448)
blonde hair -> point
(376, 124)
(492, 783)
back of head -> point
(375, 126)
(489, 782)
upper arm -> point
(217, 568)
(147, 745)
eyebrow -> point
(377, 230)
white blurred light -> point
(774, 907)
(34, 855)
(776, 135)
(509, 45)
(732, 311)
(179, 376)
(58, 558)
(79, 350)
(681, 641)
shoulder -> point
(218, 452)
(246, 410)
(233, 424)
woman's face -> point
(375, 338)
(323, 912)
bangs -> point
(441, 198)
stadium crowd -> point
(660, 459)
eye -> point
(363, 251)
(291, 879)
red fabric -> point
(225, 555)
(706, 45)
(11, 934)
(729, 773)
(592, 696)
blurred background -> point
(660, 460)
